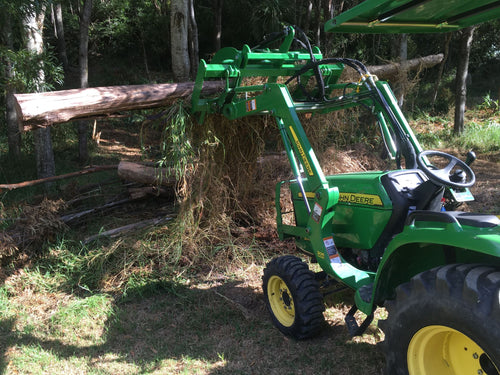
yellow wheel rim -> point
(443, 350)
(281, 301)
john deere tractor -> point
(395, 237)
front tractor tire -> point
(445, 321)
(292, 297)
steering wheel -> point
(442, 176)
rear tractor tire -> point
(292, 297)
(445, 321)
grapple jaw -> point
(245, 73)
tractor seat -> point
(463, 218)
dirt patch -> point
(486, 190)
(113, 141)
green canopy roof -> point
(413, 16)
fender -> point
(425, 245)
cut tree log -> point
(145, 191)
(146, 175)
(48, 108)
(389, 71)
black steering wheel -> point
(443, 176)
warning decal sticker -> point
(331, 249)
(316, 213)
(251, 105)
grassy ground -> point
(213, 326)
(73, 309)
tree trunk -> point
(129, 171)
(13, 133)
(83, 60)
(217, 6)
(403, 58)
(461, 78)
(328, 14)
(44, 154)
(59, 32)
(179, 19)
(307, 20)
(317, 25)
(441, 68)
(145, 55)
(194, 54)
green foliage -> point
(480, 137)
(176, 149)
(486, 44)
(26, 68)
(134, 31)
(489, 104)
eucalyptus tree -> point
(28, 67)
(33, 21)
(461, 78)
(179, 22)
(6, 45)
(57, 20)
(83, 63)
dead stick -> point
(244, 311)
(71, 217)
(134, 226)
(56, 178)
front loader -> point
(394, 237)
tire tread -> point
(308, 300)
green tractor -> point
(395, 237)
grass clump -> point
(481, 131)
(482, 137)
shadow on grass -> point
(170, 328)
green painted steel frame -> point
(413, 16)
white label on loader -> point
(331, 249)
(317, 211)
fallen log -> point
(146, 191)
(146, 175)
(389, 71)
(48, 108)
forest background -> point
(184, 296)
